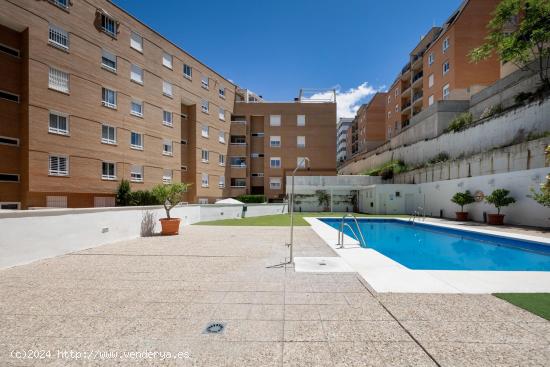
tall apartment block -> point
(439, 68)
(341, 138)
(90, 96)
(371, 123)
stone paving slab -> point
(159, 293)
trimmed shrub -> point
(142, 198)
(251, 199)
(123, 193)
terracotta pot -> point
(170, 226)
(461, 216)
(496, 219)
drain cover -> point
(214, 328)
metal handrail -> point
(341, 231)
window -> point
(56, 201)
(397, 92)
(431, 58)
(136, 173)
(136, 42)
(9, 177)
(166, 88)
(204, 180)
(204, 81)
(446, 67)
(301, 141)
(204, 106)
(205, 130)
(136, 74)
(136, 108)
(275, 141)
(108, 134)
(187, 71)
(167, 147)
(221, 137)
(104, 201)
(238, 139)
(301, 162)
(238, 162)
(221, 92)
(446, 91)
(256, 155)
(136, 140)
(301, 120)
(221, 182)
(4, 140)
(61, 3)
(108, 171)
(108, 60)
(221, 160)
(430, 100)
(12, 206)
(257, 135)
(58, 37)
(58, 80)
(431, 80)
(9, 96)
(108, 97)
(389, 99)
(274, 120)
(59, 165)
(167, 176)
(445, 45)
(167, 60)
(238, 182)
(202, 201)
(108, 25)
(275, 183)
(275, 162)
(59, 123)
(221, 114)
(204, 155)
(167, 118)
(259, 174)
(396, 108)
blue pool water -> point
(429, 247)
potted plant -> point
(170, 195)
(461, 199)
(499, 198)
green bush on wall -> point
(250, 199)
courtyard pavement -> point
(157, 294)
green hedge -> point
(252, 198)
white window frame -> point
(58, 37)
(58, 171)
(274, 120)
(274, 141)
(275, 183)
(111, 57)
(136, 74)
(221, 182)
(105, 92)
(205, 82)
(190, 69)
(107, 140)
(108, 176)
(169, 121)
(221, 114)
(134, 103)
(301, 144)
(136, 173)
(301, 120)
(238, 178)
(221, 137)
(431, 100)
(167, 89)
(431, 81)
(431, 58)
(57, 130)
(205, 106)
(136, 41)
(106, 21)
(205, 156)
(58, 80)
(446, 67)
(221, 160)
(221, 92)
(136, 146)
(167, 60)
(167, 175)
(445, 45)
(275, 159)
(446, 91)
(167, 143)
(205, 131)
(205, 180)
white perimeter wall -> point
(37, 234)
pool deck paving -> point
(160, 293)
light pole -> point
(291, 244)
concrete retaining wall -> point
(37, 234)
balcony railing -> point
(417, 96)
(406, 105)
(417, 76)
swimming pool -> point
(422, 246)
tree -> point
(123, 193)
(499, 198)
(463, 198)
(543, 196)
(522, 42)
(170, 195)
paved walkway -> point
(158, 294)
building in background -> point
(111, 99)
(371, 123)
(341, 137)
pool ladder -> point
(418, 213)
(343, 225)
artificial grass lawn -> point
(537, 303)
(277, 220)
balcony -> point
(417, 96)
(406, 105)
(417, 77)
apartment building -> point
(439, 67)
(371, 123)
(341, 138)
(269, 139)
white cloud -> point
(348, 102)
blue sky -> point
(277, 47)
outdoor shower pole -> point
(291, 244)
